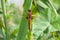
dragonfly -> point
(29, 17)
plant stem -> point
(4, 17)
(29, 35)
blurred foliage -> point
(45, 23)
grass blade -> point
(5, 20)
(23, 29)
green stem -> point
(30, 35)
(5, 20)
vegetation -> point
(39, 20)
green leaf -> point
(47, 18)
(5, 20)
(53, 18)
(27, 5)
(51, 15)
(56, 23)
(39, 25)
(34, 10)
(40, 3)
(1, 34)
(22, 29)
(1, 24)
